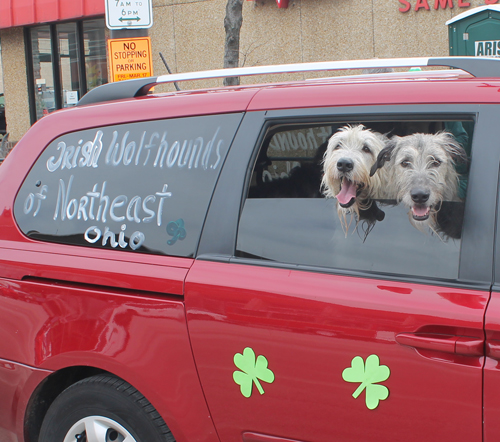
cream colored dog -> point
(349, 157)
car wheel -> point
(103, 409)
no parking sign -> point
(130, 58)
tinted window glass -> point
(312, 201)
(142, 187)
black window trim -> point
(476, 258)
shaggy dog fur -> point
(421, 174)
(350, 154)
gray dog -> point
(421, 174)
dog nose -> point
(419, 196)
(345, 165)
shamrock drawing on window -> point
(369, 375)
(176, 230)
(252, 372)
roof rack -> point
(477, 67)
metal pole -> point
(169, 71)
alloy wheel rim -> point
(98, 429)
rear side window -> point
(385, 196)
(142, 187)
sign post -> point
(130, 58)
(129, 14)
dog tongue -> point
(420, 210)
(347, 193)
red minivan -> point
(310, 261)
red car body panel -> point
(309, 326)
(145, 273)
(56, 325)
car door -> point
(492, 349)
(307, 328)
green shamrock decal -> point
(369, 374)
(251, 371)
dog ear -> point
(458, 154)
(384, 156)
(454, 149)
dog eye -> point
(435, 163)
(366, 149)
(405, 163)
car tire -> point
(109, 408)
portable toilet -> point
(476, 32)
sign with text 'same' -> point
(129, 14)
(130, 58)
(407, 5)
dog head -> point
(422, 172)
(347, 162)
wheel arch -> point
(47, 391)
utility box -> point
(476, 32)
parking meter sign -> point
(130, 58)
(129, 14)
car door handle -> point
(446, 343)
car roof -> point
(396, 90)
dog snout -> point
(420, 196)
(345, 165)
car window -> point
(344, 195)
(142, 187)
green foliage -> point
(251, 371)
(369, 375)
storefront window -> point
(43, 71)
(94, 40)
(69, 63)
(68, 59)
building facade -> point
(53, 51)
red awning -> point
(29, 12)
